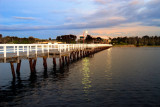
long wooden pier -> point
(15, 53)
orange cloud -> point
(125, 31)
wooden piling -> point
(18, 68)
(68, 59)
(63, 60)
(34, 64)
(45, 62)
(12, 69)
(31, 65)
(77, 55)
(54, 62)
(60, 64)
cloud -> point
(156, 20)
(110, 13)
(82, 25)
(100, 1)
(24, 18)
(135, 2)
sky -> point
(105, 18)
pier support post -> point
(12, 69)
(68, 60)
(18, 68)
(45, 62)
(32, 65)
(77, 55)
(54, 62)
(74, 56)
(70, 56)
(60, 64)
(63, 60)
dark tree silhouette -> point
(138, 41)
(67, 38)
(89, 39)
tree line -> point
(17, 40)
(72, 39)
(137, 41)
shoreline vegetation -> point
(135, 46)
(144, 41)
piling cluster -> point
(63, 60)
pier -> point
(62, 54)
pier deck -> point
(10, 52)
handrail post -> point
(36, 49)
(23, 48)
(65, 47)
(68, 47)
(60, 48)
(17, 50)
(5, 51)
(48, 47)
(30, 48)
(27, 51)
(42, 48)
(14, 49)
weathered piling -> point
(12, 69)
(63, 62)
(54, 62)
(45, 62)
(32, 63)
(18, 68)
(60, 63)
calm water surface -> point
(115, 77)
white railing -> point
(27, 48)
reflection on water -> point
(86, 81)
(117, 77)
(108, 64)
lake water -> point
(116, 77)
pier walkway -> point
(64, 53)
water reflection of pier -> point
(62, 54)
(21, 87)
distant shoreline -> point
(132, 46)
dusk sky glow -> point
(106, 18)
